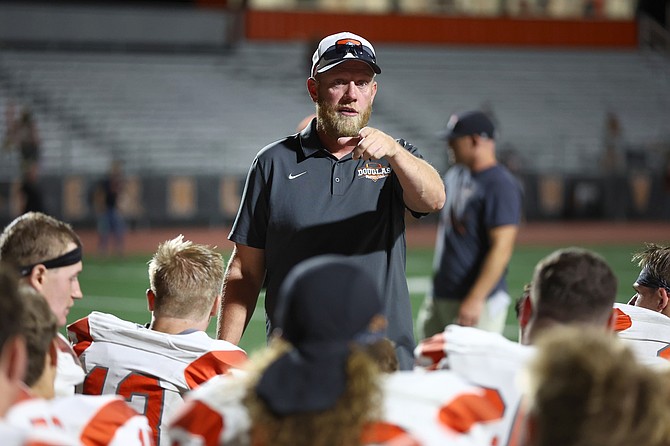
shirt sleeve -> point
(250, 226)
(396, 183)
(503, 203)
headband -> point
(67, 259)
(650, 281)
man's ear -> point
(312, 88)
(663, 306)
(53, 353)
(215, 306)
(37, 276)
(14, 359)
(525, 312)
(151, 297)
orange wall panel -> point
(277, 26)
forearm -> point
(495, 263)
(489, 275)
(423, 189)
(238, 302)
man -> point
(13, 365)
(154, 366)
(13, 354)
(93, 420)
(337, 187)
(47, 253)
(110, 224)
(570, 287)
(645, 321)
(476, 234)
(316, 383)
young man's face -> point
(344, 96)
(461, 150)
(60, 288)
(646, 297)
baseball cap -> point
(324, 305)
(340, 47)
(469, 123)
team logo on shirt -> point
(374, 171)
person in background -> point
(337, 187)
(31, 196)
(111, 224)
(27, 139)
(476, 233)
(47, 253)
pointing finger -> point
(349, 141)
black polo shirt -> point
(300, 201)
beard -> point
(336, 125)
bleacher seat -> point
(210, 113)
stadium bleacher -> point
(210, 113)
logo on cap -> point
(348, 42)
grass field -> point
(118, 286)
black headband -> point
(67, 259)
(650, 281)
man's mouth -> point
(348, 111)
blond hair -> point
(186, 278)
(35, 237)
(585, 388)
(340, 425)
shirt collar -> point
(309, 140)
(311, 144)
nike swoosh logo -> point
(293, 177)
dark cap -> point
(338, 48)
(469, 123)
(324, 304)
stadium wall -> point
(417, 29)
(205, 200)
(189, 26)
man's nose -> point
(351, 91)
(76, 290)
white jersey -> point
(214, 414)
(92, 420)
(484, 359)
(69, 372)
(152, 370)
(17, 436)
(440, 408)
(646, 332)
(210, 407)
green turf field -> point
(118, 286)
